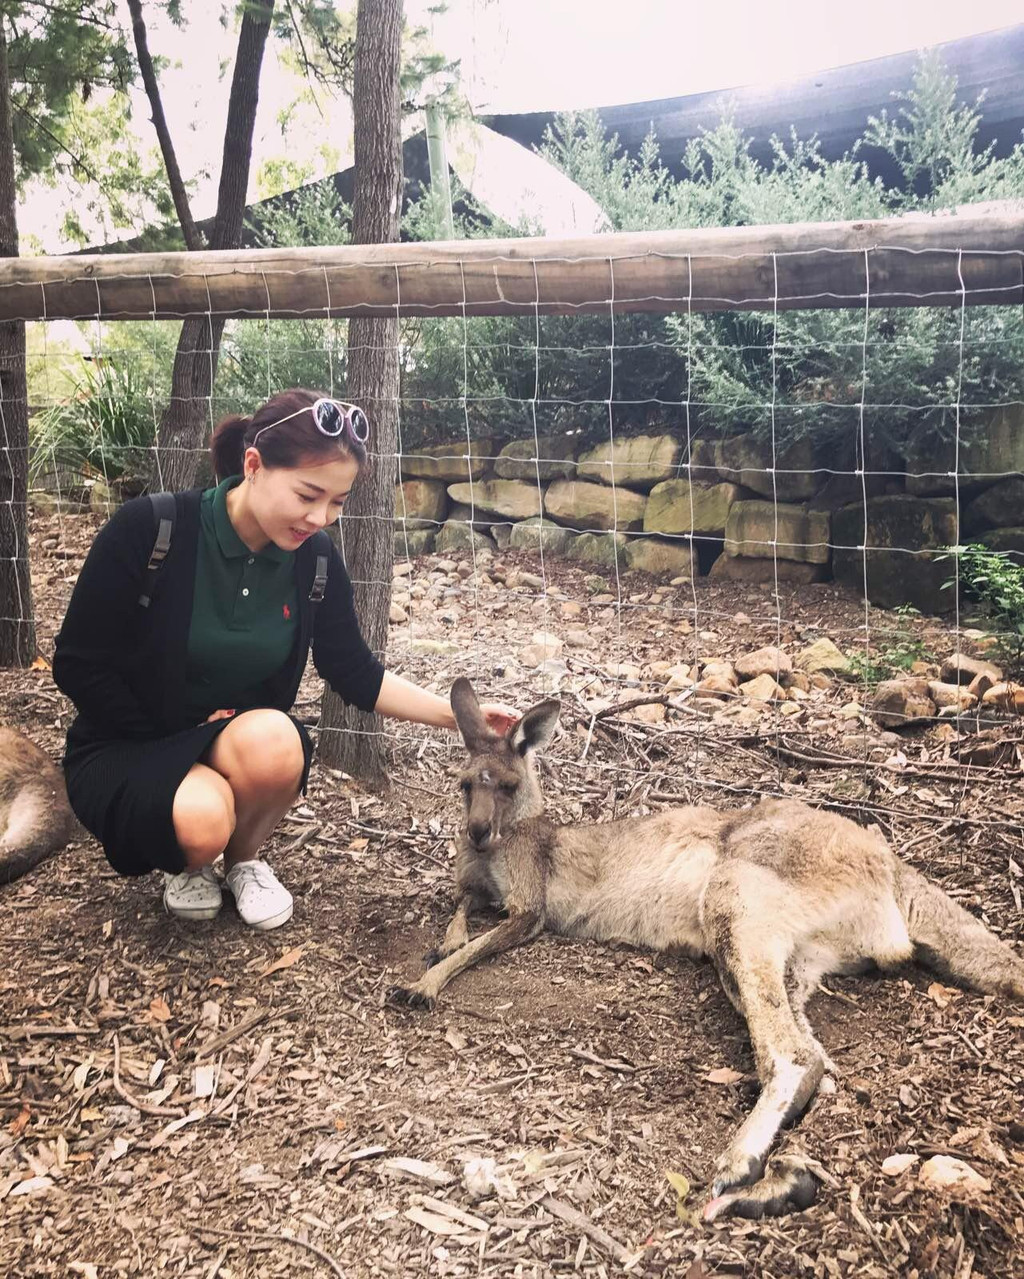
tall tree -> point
(372, 373)
(50, 58)
(17, 628)
(186, 420)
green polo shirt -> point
(245, 614)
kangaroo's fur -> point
(776, 896)
(35, 817)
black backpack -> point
(163, 515)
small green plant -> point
(102, 430)
(897, 650)
(993, 581)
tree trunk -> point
(184, 426)
(193, 240)
(17, 625)
(367, 529)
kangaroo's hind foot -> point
(789, 1186)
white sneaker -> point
(194, 894)
(262, 900)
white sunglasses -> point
(332, 418)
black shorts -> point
(122, 791)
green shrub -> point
(105, 429)
(992, 581)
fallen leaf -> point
(417, 1170)
(896, 1164)
(681, 1185)
(90, 1115)
(218, 981)
(357, 845)
(285, 961)
(20, 1122)
(40, 664)
(942, 995)
(724, 1075)
(159, 1009)
(84, 1268)
(455, 1040)
(33, 1186)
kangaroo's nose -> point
(480, 833)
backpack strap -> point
(319, 586)
(163, 513)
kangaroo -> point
(777, 896)
(35, 816)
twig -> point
(864, 1224)
(594, 1232)
(235, 1032)
(301, 840)
(34, 1030)
(270, 1237)
(147, 1108)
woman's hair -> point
(292, 440)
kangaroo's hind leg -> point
(752, 952)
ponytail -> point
(227, 447)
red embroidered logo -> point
(287, 612)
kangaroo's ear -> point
(536, 728)
(468, 715)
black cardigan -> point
(123, 665)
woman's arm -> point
(400, 699)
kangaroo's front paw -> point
(410, 997)
(790, 1187)
(432, 957)
(735, 1168)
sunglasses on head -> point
(332, 418)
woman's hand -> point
(212, 719)
(499, 718)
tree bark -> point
(193, 239)
(367, 531)
(17, 624)
(184, 425)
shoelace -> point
(246, 873)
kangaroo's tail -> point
(949, 939)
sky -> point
(531, 55)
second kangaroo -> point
(776, 896)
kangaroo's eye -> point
(509, 788)
(465, 787)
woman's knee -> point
(204, 816)
(260, 750)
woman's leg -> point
(204, 816)
(259, 755)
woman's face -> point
(292, 503)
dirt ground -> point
(205, 1100)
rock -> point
(797, 681)
(502, 534)
(587, 507)
(897, 700)
(403, 568)
(571, 609)
(653, 713)
(461, 513)
(715, 686)
(944, 1172)
(720, 670)
(765, 661)
(740, 568)
(456, 536)
(414, 541)
(595, 585)
(637, 461)
(981, 683)
(529, 535)
(945, 695)
(823, 656)
(543, 647)
(895, 1165)
(997, 507)
(677, 678)
(421, 500)
(516, 460)
(432, 647)
(800, 468)
(533, 580)
(655, 555)
(607, 549)
(764, 688)
(457, 460)
(623, 670)
(511, 499)
(685, 506)
(991, 443)
(103, 498)
(764, 530)
(1007, 541)
(901, 530)
(850, 710)
(1005, 696)
(961, 669)
(578, 639)
(397, 614)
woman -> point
(184, 676)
